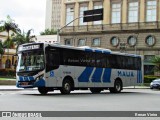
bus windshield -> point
(30, 61)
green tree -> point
(1, 48)
(22, 38)
(156, 61)
(48, 32)
(9, 25)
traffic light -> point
(93, 15)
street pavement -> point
(14, 88)
(9, 88)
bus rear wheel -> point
(66, 87)
(95, 90)
(43, 90)
(117, 87)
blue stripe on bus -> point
(106, 52)
(88, 50)
(31, 78)
(139, 76)
(20, 78)
(98, 51)
(97, 75)
(26, 78)
(107, 75)
(84, 77)
(40, 83)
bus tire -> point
(95, 90)
(66, 87)
(117, 87)
(43, 90)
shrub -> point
(148, 79)
(8, 73)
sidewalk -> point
(137, 87)
(9, 88)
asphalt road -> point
(128, 100)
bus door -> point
(52, 67)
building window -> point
(69, 14)
(114, 41)
(133, 12)
(116, 13)
(151, 11)
(8, 63)
(81, 42)
(97, 5)
(83, 7)
(132, 41)
(96, 42)
(150, 40)
(68, 42)
(148, 58)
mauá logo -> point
(125, 74)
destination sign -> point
(30, 47)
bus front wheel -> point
(43, 90)
(66, 87)
(117, 87)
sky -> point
(28, 14)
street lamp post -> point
(58, 30)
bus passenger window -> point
(52, 59)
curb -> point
(136, 88)
(7, 82)
(11, 89)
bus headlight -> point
(40, 77)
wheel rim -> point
(118, 87)
(67, 87)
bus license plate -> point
(24, 83)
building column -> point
(90, 7)
(63, 13)
(48, 17)
(76, 14)
(142, 10)
(107, 11)
(158, 9)
(124, 11)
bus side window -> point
(101, 61)
(52, 59)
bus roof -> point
(85, 48)
(98, 50)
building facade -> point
(8, 60)
(130, 24)
(46, 38)
(53, 14)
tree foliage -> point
(48, 32)
(9, 25)
(156, 61)
(22, 38)
(1, 48)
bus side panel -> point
(51, 78)
(128, 77)
(83, 76)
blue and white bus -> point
(52, 67)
